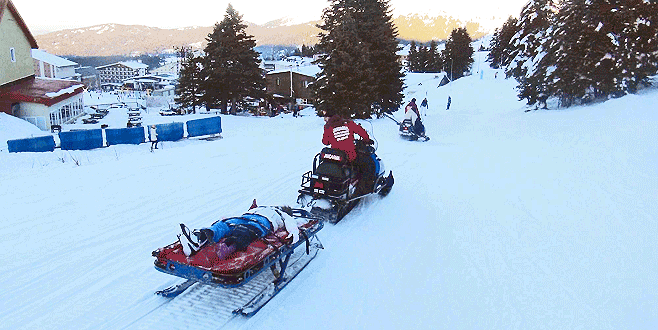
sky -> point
(502, 220)
(44, 16)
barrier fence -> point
(133, 135)
(36, 144)
(92, 139)
(206, 126)
(81, 140)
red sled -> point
(276, 252)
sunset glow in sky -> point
(44, 16)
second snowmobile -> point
(408, 131)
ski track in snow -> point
(504, 219)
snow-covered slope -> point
(503, 220)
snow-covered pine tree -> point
(499, 55)
(231, 66)
(631, 27)
(572, 41)
(360, 70)
(531, 36)
(458, 54)
(608, 48)
(189, 92)
(529, 50)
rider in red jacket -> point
(339, 134)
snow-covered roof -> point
(307, 70)
(130, 64)
(55, 60)
(135, 65)
(68, 90)
(41, 90)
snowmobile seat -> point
(333, 163)
(333, 155)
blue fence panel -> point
(168, 132)
(134, 135)
(205, 126)
(81, 140)
(35, 144)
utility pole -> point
(291, 93)
(451, 60)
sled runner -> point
(275, 258)
(330, 189)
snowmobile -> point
(276, 252)
(330, 189)
(407, 132)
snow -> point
(503, 220)
(41, 55)
(68, 90)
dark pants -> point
(419, 128)
(241, 237)
(365, 166)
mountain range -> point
(117, 39)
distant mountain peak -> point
(117, 39)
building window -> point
(15, 109)
(12, 54)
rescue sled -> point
(329, 189)
(275, 253)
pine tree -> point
(458, 54)
(231, 66)
(361, 74)
(529, 51)
(499, 55)
(189, 92)
(631, 29)
(339, 87)
(385, 64)
(588, 50)
(436, 62)
(413, 63)
(423, 59)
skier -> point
(339, 134)
(238, 232)
(424, 103)
(153, 136)
(449, 101)
(411, 113)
